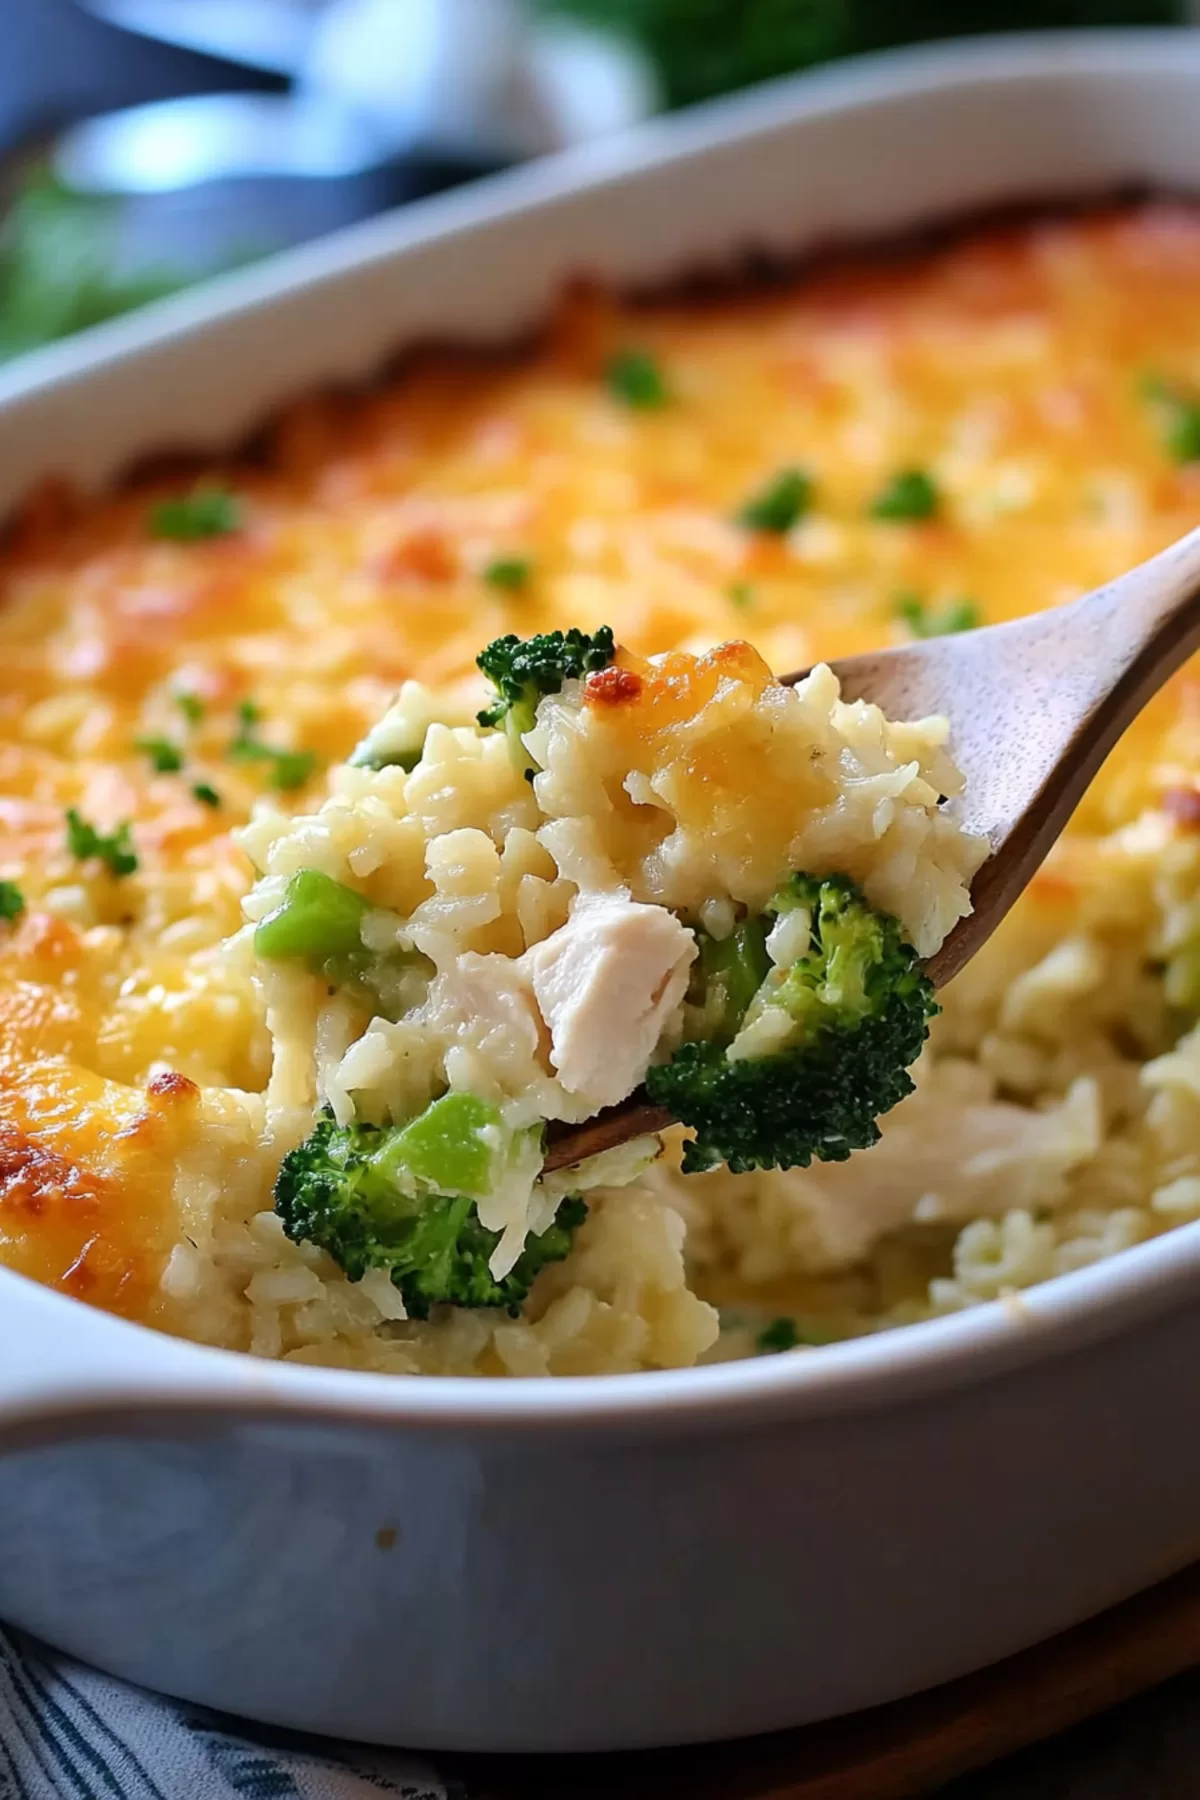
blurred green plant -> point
(59, 265)
(707, 47)
(58, 269)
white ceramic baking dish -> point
(630, 1560)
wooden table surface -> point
(1148, 1749)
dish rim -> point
(1059, 1316)
(848, 86)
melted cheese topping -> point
(1006, 364)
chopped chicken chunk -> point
(606, 983)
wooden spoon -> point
(1034, 708)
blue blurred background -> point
(144, 143)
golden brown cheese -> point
(1009, 363)
(642, 705)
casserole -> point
(363, 1560)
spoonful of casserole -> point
(1033, 708)
(509, 950)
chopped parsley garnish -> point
(740, 594)
(780, 1334)
(12, 901)
(926, 621)
(208, 513)
(288, 769)
(207, 796)
(509, 573)
(166, 758)
(191, 706)
(1179, 418)
(292, 768)
(114, 849)
(634, 377)
(912, 494)
(779, 505)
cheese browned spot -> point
(612, 686)
(1182, 807)
(72, 1227)
(423, 553)
(170, 1085)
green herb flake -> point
(910, 495)
(166, 758)
(287, 769)
(925, 621)
(511, 574)
(741, 595)
(191, 706)
(12, 901)
(207, 796)
(1178, 414)
(292, 769)
(634, 377)
(208, 513)
(114, 849)
(780, 1334)
(779, 505)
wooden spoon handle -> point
(569, 1144)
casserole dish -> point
(616, 1562)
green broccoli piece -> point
(727, 974)
(522, 670)
(855, 1009)
(317, 922)
(368, 1195)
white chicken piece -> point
(606, 983)
(483, 1011)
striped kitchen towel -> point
(68, 1733)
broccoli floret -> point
(361, 1192)
(726, 975)
(522, 670)
(838, 1031)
